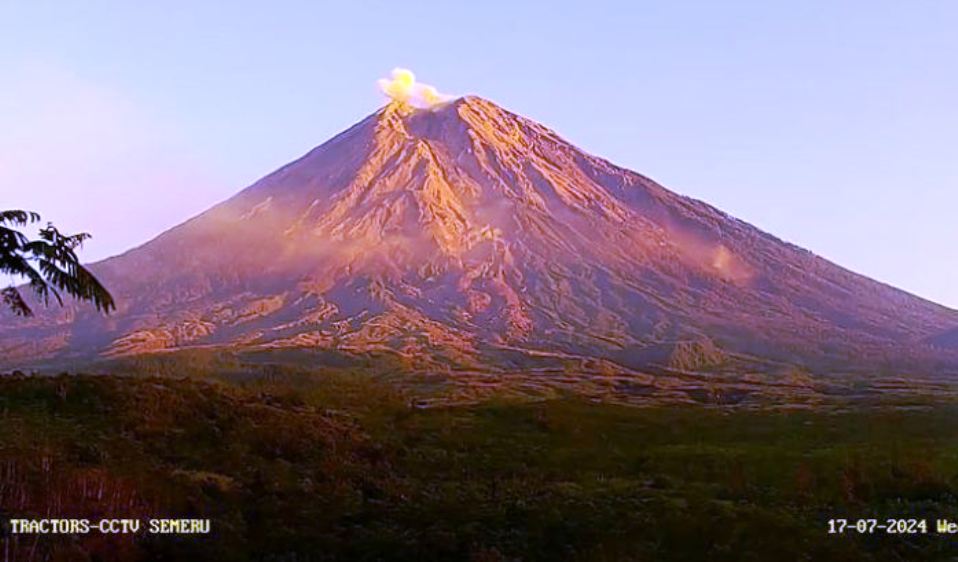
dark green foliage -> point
(298, 465)
(49, 264)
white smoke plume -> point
(402, 87)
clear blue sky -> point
(833, 125)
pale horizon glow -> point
(830, 125)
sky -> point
(833, 125)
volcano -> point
(468, 237)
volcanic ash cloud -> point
(402, 87)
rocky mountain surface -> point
(469, 238)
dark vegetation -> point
(298, 465)
(49, 264)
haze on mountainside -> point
(455, 235)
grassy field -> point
(341, 466)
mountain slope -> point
(466, 236)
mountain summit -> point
(468, 237)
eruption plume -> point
(402, 87)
